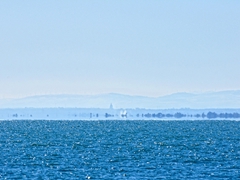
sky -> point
(134, 47)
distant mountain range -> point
(221, 99)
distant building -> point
(111, 106)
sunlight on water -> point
(119, 149)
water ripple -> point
(120, 149)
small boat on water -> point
(123, 113)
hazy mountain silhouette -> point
(221, 99)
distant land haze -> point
(221, 99)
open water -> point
(119, 149)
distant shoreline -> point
(115, 114)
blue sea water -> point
(119, 149)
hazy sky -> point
(125, 46)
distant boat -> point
(123, 113)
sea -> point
(119, 149)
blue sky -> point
(133, 47)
